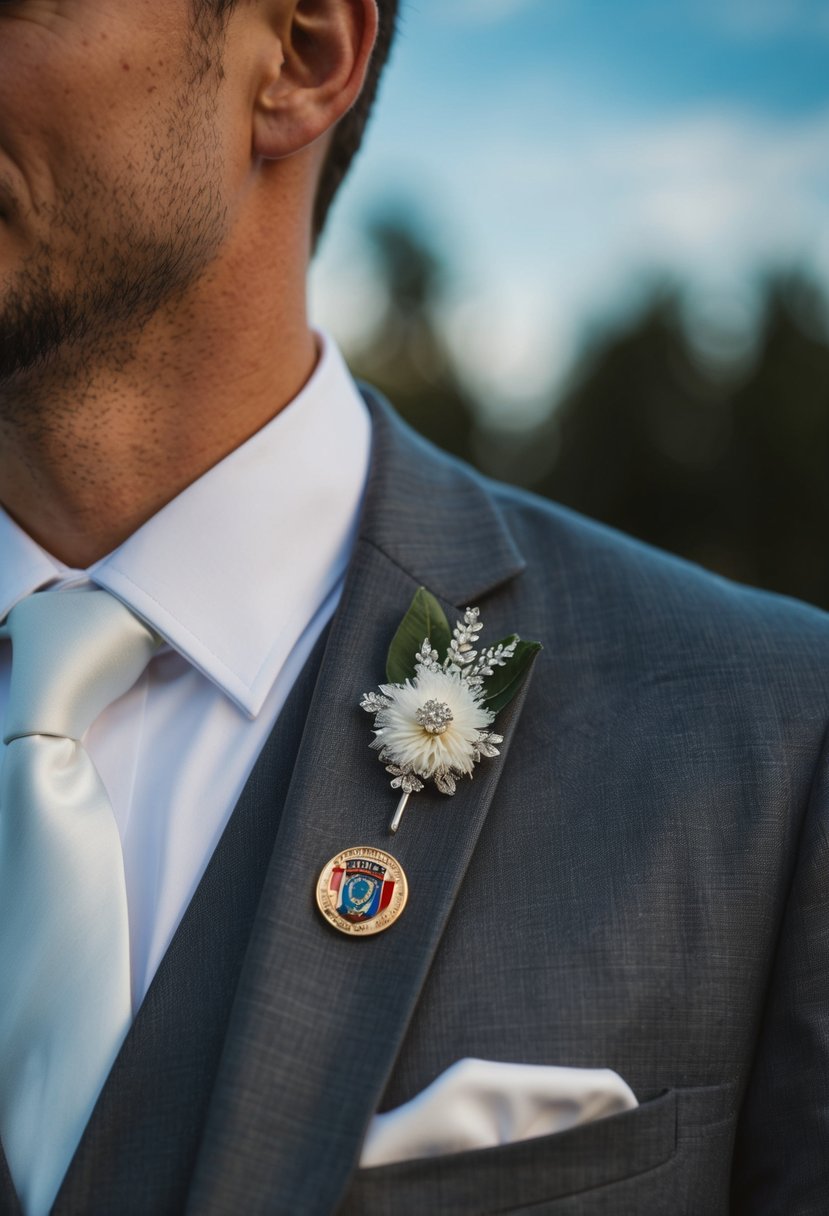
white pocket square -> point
(482, 1103)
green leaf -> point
(425, 619)
(504, 683)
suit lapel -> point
(319, 1017)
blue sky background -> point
(562, 153)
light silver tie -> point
(64, 942)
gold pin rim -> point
(384, 918)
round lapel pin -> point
(362, 891)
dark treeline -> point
(724, 462)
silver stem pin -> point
(398, 814)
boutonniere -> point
(433, 718)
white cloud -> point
(688, 190)
(764, 19)
(551, 220)
(720, 184)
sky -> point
(564, 154)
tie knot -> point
(73, 653)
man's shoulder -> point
(596, 572)
(598, 593)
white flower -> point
(433, 726)
(436, 724)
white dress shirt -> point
(239, 574)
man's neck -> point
(86, 458)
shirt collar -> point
(24, 566)
(233, 569)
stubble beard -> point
(121, 263)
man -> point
(637, 885)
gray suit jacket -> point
(640, 882)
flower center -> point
(434, 717)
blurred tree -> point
(727, 467)
(406, 356)
(729, 473)
(640, 434)
(778, 456)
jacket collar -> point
(432, 516)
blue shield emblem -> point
(362, 892)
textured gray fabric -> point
(639, 883)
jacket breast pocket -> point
(525, 1174)
(671, 1154)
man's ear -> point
(326, 46)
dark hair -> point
(348, 134)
